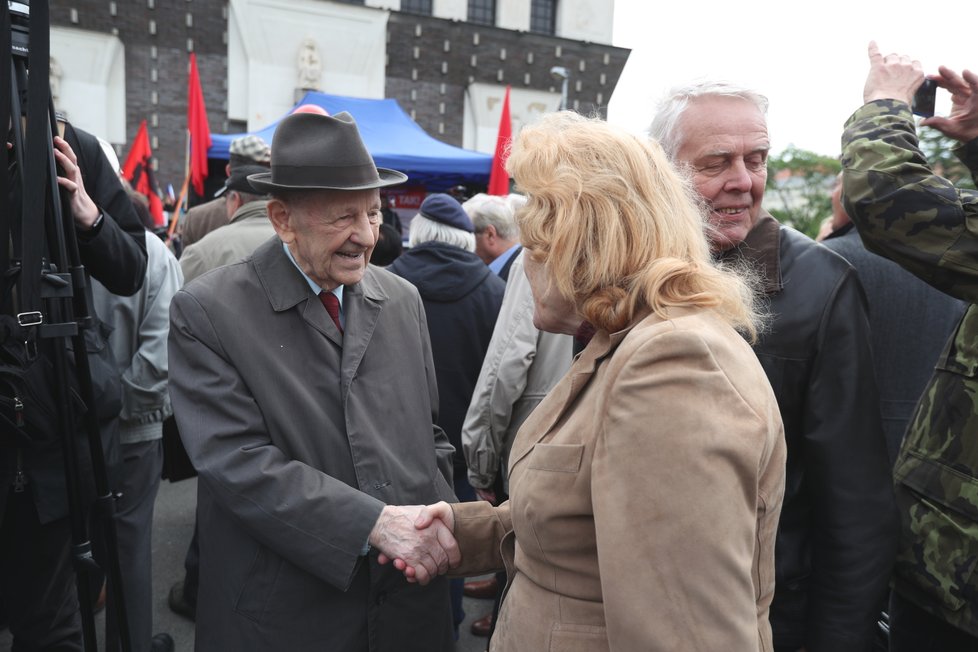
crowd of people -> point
(656, 418)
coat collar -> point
(253, 210)
(761, 250)
(286, 288)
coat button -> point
(381, 598)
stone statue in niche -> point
(309, 65)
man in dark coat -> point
(837, 535)
(304, 391)
(461, 299)
(37, 582)
(910, 323)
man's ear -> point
(491, 232)
(282, 220)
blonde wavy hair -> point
(617, 228)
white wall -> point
(586, 20)
(93, 82)
(450, 9)
(263, 42)
(484, 106)
(513, 14)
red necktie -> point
(332, 305)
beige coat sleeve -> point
(479, 530)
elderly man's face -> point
(331, 233)
(725, 143)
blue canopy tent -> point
(394, 140)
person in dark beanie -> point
(461, 299)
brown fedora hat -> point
(311, 151)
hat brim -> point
(263, 182)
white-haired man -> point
(836, 537)
(497, 238)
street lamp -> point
(559, 73)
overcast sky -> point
(810, 60)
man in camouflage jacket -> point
(911, 215)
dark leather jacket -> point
(837, 536)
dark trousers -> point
(191, 567)
(913, 629)
(37, 582)
(142, 463)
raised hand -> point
(83, 209)
(962, 123)
(893, 77)
(421, 553)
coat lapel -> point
(362, 304)
(557, 402)
(550, 411)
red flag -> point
(200, 133)
(138, 171)
(499, 178)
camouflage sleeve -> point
(968, 153)
(903, 210)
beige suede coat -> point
(644, 499)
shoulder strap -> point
(7, 216)
(34, 177)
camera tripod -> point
(46, 301)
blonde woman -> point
(645, 489)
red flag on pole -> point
(138, 171)
(200, 133)
(499, 178)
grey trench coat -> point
(300, 436)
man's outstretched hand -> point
(417, 539)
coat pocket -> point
(562, 458)
(578, 638)
(939, 531)
(259, 582)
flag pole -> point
(180, 207)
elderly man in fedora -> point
(306, 395)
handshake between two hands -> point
(418, 539)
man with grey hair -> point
(461, 299)
(497, 238)
(836, 539)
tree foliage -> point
(938, 149)
(799, 188)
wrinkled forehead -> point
(717, 125)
